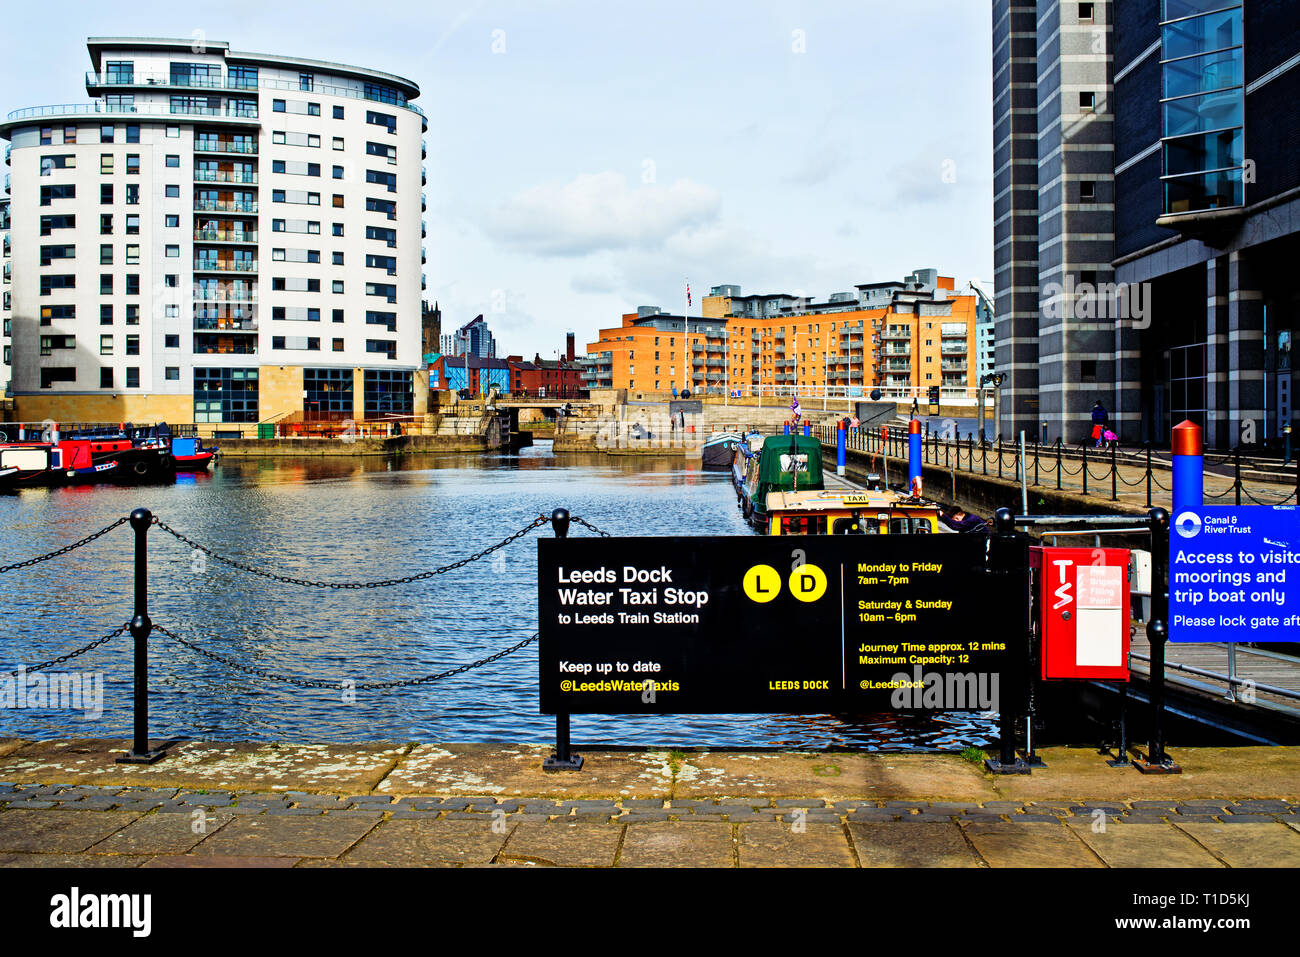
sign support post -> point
(1008, 555)
(563, 759)
(1157, 762)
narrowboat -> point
(867, 512)
(746, 450)
(785, 463)
(81, 462)
(719, 451)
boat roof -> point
(861, 499)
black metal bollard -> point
(141, 627)
(563, 759)
(1114, 472)
(1148, 445)
(1084, 471)
(1058, 464)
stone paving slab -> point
(163, 833)
(1029, 845)
(880, 844)
(59, 831)
(1143, 845)
(72, 860)
(407, 842)
(564, 843)
(318, 836)
(483, 769)
(779, 845)
(671, 844)
(215, 860)
(249, 767)
(1248, 845)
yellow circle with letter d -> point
(762, 583)
(807, 583)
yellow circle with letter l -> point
(807, 583)
(762, 583)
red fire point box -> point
(1082, 601)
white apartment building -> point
(219, 237)
(6, 295)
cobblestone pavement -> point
(113, 826)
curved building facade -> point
(219, 237)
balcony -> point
(209, 294)
(248, 237)
(895, 351)
(203, 145)
(224, 206)
(233, 325)
(224, 265)
(948, 366)
(953, 349)
(129, 110)
(897, 334)
(225, 176)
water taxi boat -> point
(192, 455)
(785, 463)
(874, 510)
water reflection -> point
(356, 519)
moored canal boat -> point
(871, 511)
(785, 463)
(719, 450)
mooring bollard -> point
(141, 627)
(563, 759)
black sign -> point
(798, 624)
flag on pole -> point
(688, 294)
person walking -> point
(1099, 422)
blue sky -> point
(585, 158)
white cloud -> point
(599, 211)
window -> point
(225, 395)
(327, 393)
(132, 255)
(313, 109)
(1085, 12)
(338, 172)
(338, 142)
(338, 114)
(51, 223)
(172, 252)
(133, 224)
(382, 119)
(338, 229)
(106, 284)
(50, 343)
(173, 161)
(105, 164)
(132, 194)
(171, 280)
(51, 253)
(337, 345)
(106, 133)
(132, 164)
(171, 220)
(106, 378)
(133, 315)
(173, 131)
(105, 315)
(384, 179)
(387, 348)
(69, 134)
(338, 201)
(338, 286)
(171, 342)
(133, 133)
(277, 106)
(106, 194)
(171, 311)
(49, 376)
(172, 192)
(337, 315)
(106, 254)
(172, 373)
(132, 345)
(1087, 191)
(1087, 101)
(105, 345)
(243, 77)
(306, 81)
(62, 191)
(338, 259)
(133, 377)
(388, 391)
(133, 284)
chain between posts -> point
(338, 684)
(65, 549)
(69, 655)
(586, 524)
(383, 583)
